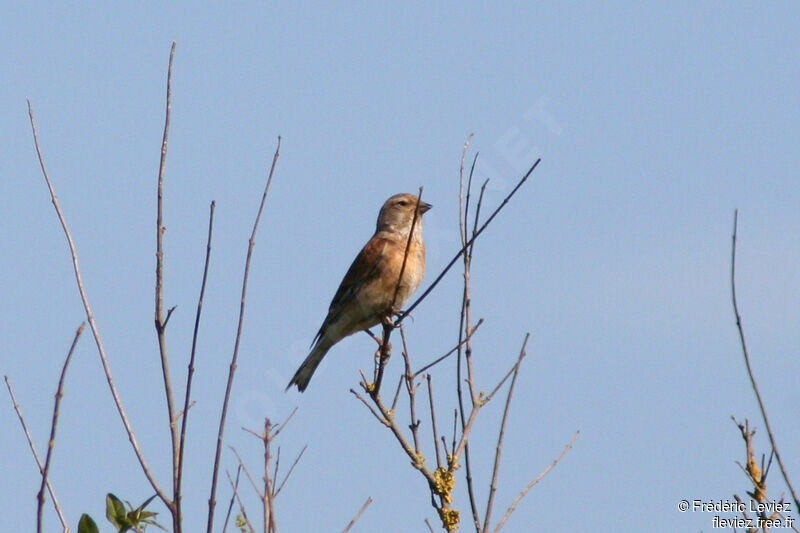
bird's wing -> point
(365, 267)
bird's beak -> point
(424, 207)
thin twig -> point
(39, 464)
(756, 475)
(93, 325)
(455, 422)
(386, 418)
(499, 449)
(408, 247)
(466, 311)
(372, 410)
(483, 400)
(433, 422)
(160, 321)
(291, 468)
(52, 442)
(190, 373)
(449, 353)
(397, 392)
(239, 501)
(411, 389)
(463, 248)
(462, 210)
(247, 473)
(277, 463)
(464, 329)
(283, 424)
(750, 373)
(510, 372)
(358, 515)
(536, 480)
(269, 489)
(430, 527)
(233, 496)
(232, 369)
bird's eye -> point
(403, 203)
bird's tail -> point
(306, 370)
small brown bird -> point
(365, 295)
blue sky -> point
(653, 123)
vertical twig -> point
(433, 422)
(465, 322)
(411, 389)
(269, 490)
(52, 442)
(160, 321)
(358, 515)
(752, 376)
(232, 369)
(500, 436)
(39, 464)
(92, 324)
(190, 372)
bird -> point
(369, 291)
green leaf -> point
(147, 501)
(117, 514)
(87, 525)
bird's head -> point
(397, 213)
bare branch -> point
(190, 373)
(750, 373)
(411, 389)
(52, 442)
(358, 515)
(232, 369)
(397, 392)
(465, 331)
(756, 475)
(247, 473)
(536, 480)
(233, 496)
(433, 422)
(92, 324)
(408, 247)
(451, 352)
(513, 371)
(269, 490)
(291, 468)
(283, 424)
(239, 501)
(464, 248)
(160, 321)
(39, 464)
(386, 418)
(500, 436)
(463, 205)
(371, 409)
